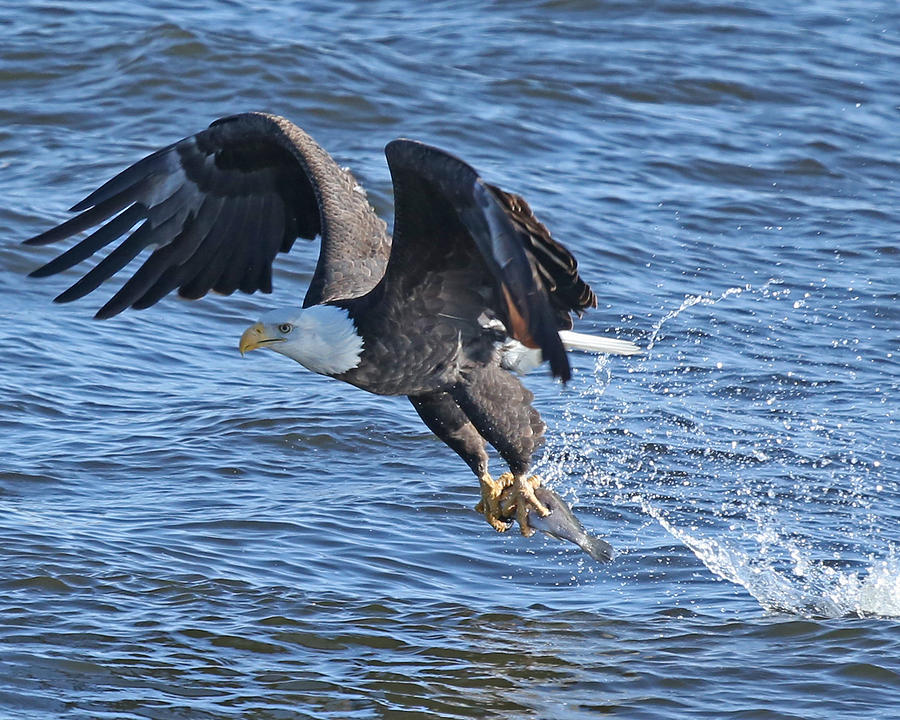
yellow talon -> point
(520, 498)
(510, 497)
(489, 506)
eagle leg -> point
(499, 408)
(445, 419)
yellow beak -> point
(255, 336)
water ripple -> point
(188, 534)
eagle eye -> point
(285, 328)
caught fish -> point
(561, 523)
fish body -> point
(561, 523)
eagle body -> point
(470, 286)
(391, 320)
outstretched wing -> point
(444, 212)
(216, 208)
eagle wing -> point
(444, 211)
(216, 208)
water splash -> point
(706, 299)
(813, 589)
(758, 460)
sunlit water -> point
(188, 534)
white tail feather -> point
(597, 343)
(520, 359)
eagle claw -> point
(489, 506)
(510, 497)
(519, 497)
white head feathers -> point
(322, 338)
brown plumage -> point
(469, 267)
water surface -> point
(188, 534)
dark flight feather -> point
(206, 195)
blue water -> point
(186, 533)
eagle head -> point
(322, 338)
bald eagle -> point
(470, 289)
